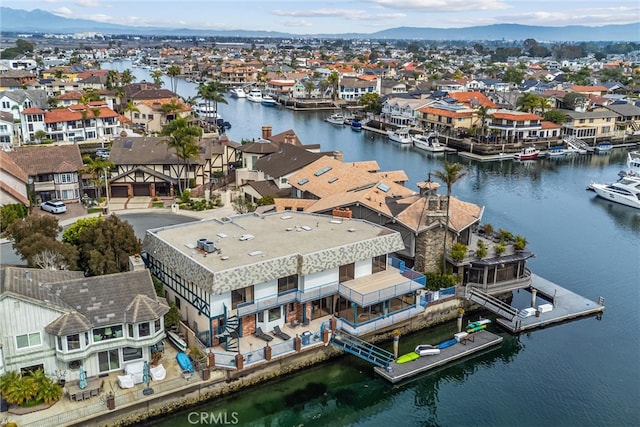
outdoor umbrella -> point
(146, 376)
(83, 378)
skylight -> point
(303, 181)
(332, 180)
(323, 170)
(384, 187)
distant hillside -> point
(39, 21)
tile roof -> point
(74, 112)
(515, 115)
(469, 98)
(39, 159)
(446, 113)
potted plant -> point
(458, 252)
(110, 397)
(481, 249)
(520, 243)
(500, 248)
(488, 229)
(155, 358)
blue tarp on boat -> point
(184, 362)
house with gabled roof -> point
(512, 126)
(13, 182)
(15, 101)
(627, 117)
(62, 321)
(52, 171)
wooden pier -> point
(473, 344)
(567, 305)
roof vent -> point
(201, 242)
(209, 246)
(306, 228)
(246, 237)
(286, 217)
(351, 230)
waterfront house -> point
(231, 276)
(75, 123)
(627, 117)
(52, 171)
(145, 166)
(590, 125)
(61, 321)
(352, 88)
(514, 126)
(15, 101)
(447, 117)
(13, 182)
(402, 110)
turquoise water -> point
(582, 373)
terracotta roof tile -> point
(73, 113)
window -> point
(144, 329)
(287, 283)
(28, 340)
(108, 333)
(66, 178)
(130, 330)
(157, 327)
(73, 342)
(130, 353)
(378, 263)
(108, 360)
(241, 295)
(346, 272)
(274, 314)
(177, 302)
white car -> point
(103, 153)
(53, 206)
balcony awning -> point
(377, 287)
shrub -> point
(505, 236)
(500, 248)
(185, 196)
(458, 251)
(520, 243)
(488, 229)
(436, 281)
(481, 249)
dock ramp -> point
(492, 303)
(364, 350)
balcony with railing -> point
(266, 303)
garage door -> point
(119, 191)
(141, 190)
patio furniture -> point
(126, 381)
(278, 332)
(294, 323)
(158, 373)
(136, 370)
(260, 334)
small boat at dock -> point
(427, 350)
(603, 147)
(400, 135)
(178, 342)
(527, 153)
(184, 362)
(356, 125)
(335, 119)
(429, 142)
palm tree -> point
(157, 78)
(40, 135)
(334, 80)
(308, 86)
(483, 114)
(171, 107)
(181, 137)
(449, 175)
(174, 72)
(96, 167)
(131, 108)
(112, 79)
(127, 77)
(212, 92)
(527, 102)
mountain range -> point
(40, 21)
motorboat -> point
(177, 341)
(184, 362)
(527, 153)
(335, 119)
(557, 151)
(400, 135)
(238, 92)
(603, 147)
(356, 125)
(633, 163)
(206, 112)
(255, 95)
(625, 191)
(428, 142)
(268, 101)
(427, 350)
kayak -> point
(476, 328)
(427, 350)
(478, 323)
(409, 357)
(448, 343)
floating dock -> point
(472, 344)
(567, 305)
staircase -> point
(492, 303)
(231, 334)
(575, 143)
(362, 349)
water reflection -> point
(623, 216)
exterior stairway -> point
(362, 349)
(575, 143)
(492, 303)
(231, 334)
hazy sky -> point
(316, 17)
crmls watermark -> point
(221, 418)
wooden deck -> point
(478, 341)
(566, 305)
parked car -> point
(103, 153)
(53, 206)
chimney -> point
(342, 213)
(266, 132)
(338, 155)
(136, 263)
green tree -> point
(573, 100)
(37, 234)
(156, 75)
(334, 81)
(181, 137)
(170, 108)
(371, 103)
(106, 246)
(449, 175)
(71, 234)
(127, 77)
(39, 135)
(527, 102)
(131, 108)
(112, 79)
(555, 116)
(483, 114)
(242, 205)
(212, 93)
(513, 75)
(20, 390)
(11, 213)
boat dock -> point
(567, 305)
(473, 343)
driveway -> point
(74, 210)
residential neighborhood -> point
(310, 249)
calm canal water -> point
(581, 373)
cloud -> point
(63, 11)
(589, 16)
(349, 14)
(88, 3)
(440, 6)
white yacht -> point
(206, 111)
(625, 191)
(400, 135)
(335, 118)
(255, 95)
(633, 163)
(268, 101)
(428, 142)
(238, 92)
